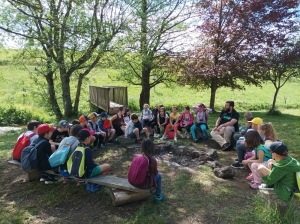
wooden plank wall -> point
(100, 97)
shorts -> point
(132, 135)
(96, 171)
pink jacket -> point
(191, 121)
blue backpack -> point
(29, 156)
(59, 157)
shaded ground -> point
(197, 197)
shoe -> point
(225, 146)
(196, 140)
(238, 166)
(266, 187)
(188, 135)
(175, 139)
(158, 136)
(183, 135)
(102, 146)
(155, 135)
(50, 181)
(159, 197)
(96, 187)
(255, 186)
(110, 141)
(163, 138)
(250, 177)
(43, 179)
(88, 187)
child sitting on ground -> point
(153, 123)
(134, 129)
(260, 157)
(152, 174)
(162, 121)
(84, 121)
(99, 134)
(201, 121)
(174, 123)
(280, 172)
(60, 133)
(105, 126)
(186, 121)
(92, 169)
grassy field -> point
(197, 197)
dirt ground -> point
(79, 206)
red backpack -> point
(22, 142)
(138, 171)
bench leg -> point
(120, 197)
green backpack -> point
(297, 191)
(76, 162)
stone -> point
(195, 154)
(212, 164)
(225, 172)
(212, 153)
(175, 164)
(125, 141)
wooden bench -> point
(121, 191)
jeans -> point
(202, 127)
(157, 179)
(241, 151)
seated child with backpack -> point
(186, 121)
(60, 133)
(98, 133)
(201, 121)
(281, 172)
(105, 126)
(143, 171)
(25, 139)
(87, 168)
(134, 129)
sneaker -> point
(183, 135)
(266, 187)
(163, 138)
(88, 187)
(237, 166)
(250, 177)
(225, 146)
(175, 139)
(158, 136)
(50, 181)
(236, 160)
(43, 179)
(96, 187)
(255, 186)
(196, 140)
(159, 197)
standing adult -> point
(226, 125)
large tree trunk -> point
(213, 90)
(52, 97)
(145, 93)
(77, 98)
(275, 98)
(66, 94)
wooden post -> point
(120, 197)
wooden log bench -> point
(120, 190)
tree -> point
(153, 37)
(66, 37)
(232, 34)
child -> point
(84, 121)
(261, 156)
(201, 121)
(127, 115)
(174, 123)
(92, 169)
(145, 116)
(186, 121)
(162, 120)
(105, 126)
(43, 152)
(134, 129)
(243, 129)
(153, 122)
(117, 122)
(59, 134)
(99, 134)
(280, 172)
(147, 150)
(31, 133)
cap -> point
(201, 105)
(83, 134)
(249, 119)
(256, 120)
(84, 118)
(104, 114)
(279, 148)
(94, 114)
(64, 123)
(43, 128)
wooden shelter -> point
(109, 98)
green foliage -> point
(274, 112)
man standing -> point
(226, 125)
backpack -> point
(59, 157)
(297, 191)
(106, 124)
(138, 171)
(171, 135)
(29, 156)
(22, 142)
(76, 162)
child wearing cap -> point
(59, 134)
(44, 151)
(134, 129)
(280, 172)
(84, 121)
(105, 126)
(91, 169)
(99, 134)
(201, 121)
